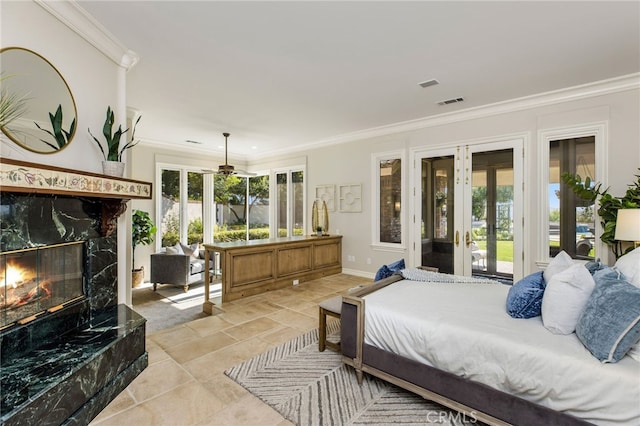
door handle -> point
(467, 239)
(457, 238)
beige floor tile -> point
(248, 411)
(120, 403)
(281, 335)
(225, 389)
(209, 325)
(208, 366)
(157, 379)
(295, 319)
(189, 404)
(156, 353)
(252, 328)
(174, 336)
(185, 384)
(201, 346)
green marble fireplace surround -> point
(64, 364)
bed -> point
(454, 343)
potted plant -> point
(61, 136)
(112, 164)
(143, 232)
(12, 105)
(609, 205)
(319, 231)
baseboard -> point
(357, 273)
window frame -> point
(376, 159)
(599, 132)
(273, 197)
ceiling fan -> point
(227, 169)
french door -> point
(469, 209)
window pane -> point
(390, 201)
(230, 196)
(194, 208)
(258, 207)
(281, 213)
(170, 225)
(297, 179)
(571, 219)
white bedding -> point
(464, 329)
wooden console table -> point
(256, 266)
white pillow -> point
(629, 266)
(192, 250)
(565, 297)
(178, 248)
(561, 262)
(634, 352)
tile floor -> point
(185, 384)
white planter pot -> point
(113, 168)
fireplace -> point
(67, 348)
(39, 281)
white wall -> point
(351, 162)
(96, 81)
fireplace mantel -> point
(33, 178)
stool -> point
(332, 307)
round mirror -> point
(48, 121)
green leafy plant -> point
(60, 135)
(113, 152)
(143, 231)
(12, 105)
(609, 205)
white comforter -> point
(464, 329)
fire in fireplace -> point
(40, 280)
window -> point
(572, 220)
(239, 207)
(290, 201)
(258, 207)
(388, 171)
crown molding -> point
(70, 13)
(599, 88)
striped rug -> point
(308, 387)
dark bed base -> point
(475, 400)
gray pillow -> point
(610, 323)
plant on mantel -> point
(113, 151)
(12, 105)
(609, 205)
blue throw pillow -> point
(388, 270)
(610, 323)
(525, 297)
(594, 266)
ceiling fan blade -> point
(243, 173)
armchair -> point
(177, 269)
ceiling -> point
(282, 76)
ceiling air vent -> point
(193, 142)
(428, 83)
(451, 101)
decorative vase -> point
(113, 168)
(137, 276)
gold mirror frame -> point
(28, 74)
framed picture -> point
(350, 197)
(327, 193)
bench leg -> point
(322, 330)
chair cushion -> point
(332, 305)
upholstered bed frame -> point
(475, 400)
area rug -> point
(308, 387)
(169, 306)
(176, 294)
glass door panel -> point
(437, 225)
(492, 213)
(470, 212)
